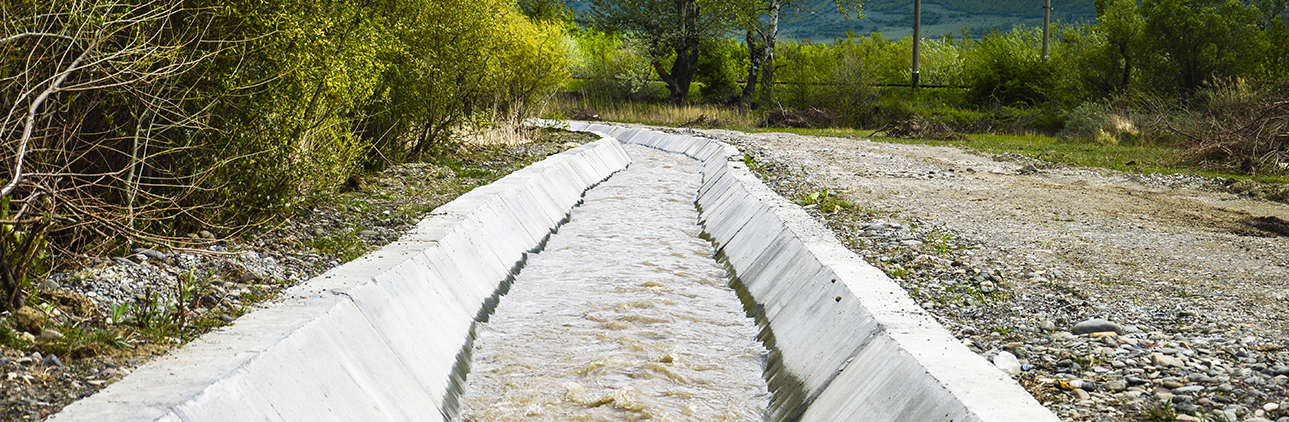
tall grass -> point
(707, 115)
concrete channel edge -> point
(847, 343)
(385, 337)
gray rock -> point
(1280, 370)
(150, 253)
(1186, 407)
(1116, 385)
(368, 233)
(1160, 359)
(1096, 326)
(49, 286)
(226, 318)
(1188, 389)
(252, 275)
(52, 360)
(48, 336)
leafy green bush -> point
(1009, 70)
(720, 66)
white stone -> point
(1007, 362)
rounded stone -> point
(1096, 326)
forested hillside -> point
(819, 20)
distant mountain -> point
(819, 20)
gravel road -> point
(1012, 253)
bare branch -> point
(31, 121)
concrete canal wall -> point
(385, 337)
(848, 344)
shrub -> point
(1008, 69)
(1102, 124)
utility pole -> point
(1047, 28)
(917, 40)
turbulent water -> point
(624, 316)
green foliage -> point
(672, 31)
(612, 67)
(1008, 69)
(1200, 40)
(200, 113)
(1159, 411)
(721, 64)
(10, 338)
(826, 200)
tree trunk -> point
(754, 51)
(683, 69)
(767, 67)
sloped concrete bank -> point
(383, 338)
(847, 343)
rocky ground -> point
(1109, 296)
(95, 323)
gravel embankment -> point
(1110, 296)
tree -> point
(1199, 40)
(674, 31)
(760, 21)
(137, 121)
(1122, 26)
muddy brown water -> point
(625, 315)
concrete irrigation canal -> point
(645, 276)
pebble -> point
(150, 253)
(1096, 326)
(1159, 359)
(49, 336)
(1008, 363)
